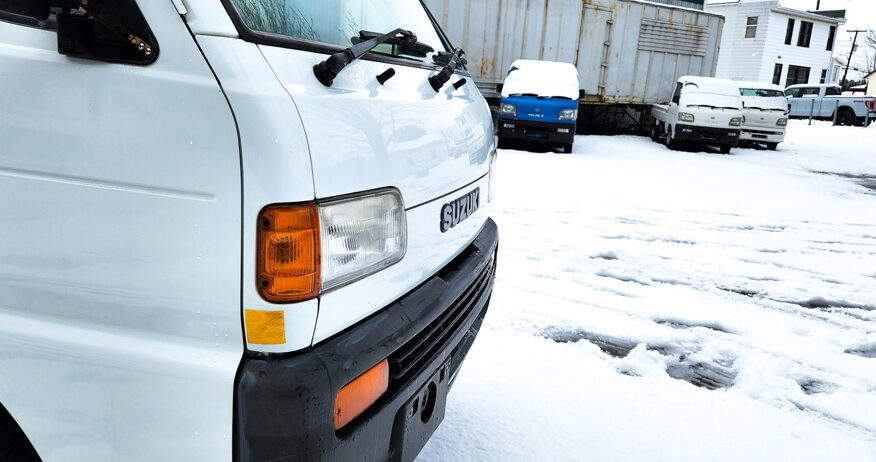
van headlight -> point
(569, 114)
(736, 121)
(783, 122)
(685, 117)
(508, 109)
(491, 177)
(305, 249)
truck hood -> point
(363, 135)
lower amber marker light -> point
(358, 395)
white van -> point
(765, 114)
(235, 229)
(702, 110)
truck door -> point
(120, 327)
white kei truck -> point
(703, 110)
(765, 114)
(826, 102)
(239, 230)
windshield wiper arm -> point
(414, 48)
(326, 71)
(454, 60)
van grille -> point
(414, 354)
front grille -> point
(414, 354)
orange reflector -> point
(361, 393)
(265, 327)
(288, 253)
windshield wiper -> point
(415, 48)
(454, 60)
(326, 71)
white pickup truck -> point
(703, 110)
(765, 110)
(822, 101)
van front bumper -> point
(762, 135)
(284, 406)
(707, 135)
(546, 132)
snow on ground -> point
(678, 305)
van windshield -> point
(339, 22)
(761, 92)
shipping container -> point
(629, 53)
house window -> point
(797, 75)
(789, 32)
(823, 76)
(830, 38)
(751, 27)
(777, 74)
(805, 34)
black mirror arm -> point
(326, 71)
(438, 80)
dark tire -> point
(567, 149)
(772, 146)
(671, 144)
(655, 132)
(845, 117)
(14, 445)
(725, 148)
(504, 144)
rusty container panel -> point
(626, 51)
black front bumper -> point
(284, 406)
(525, 130)
(707, 135)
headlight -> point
(736, 121)
(782, 122)
(491, 178)
(685, 117)
(569, 114)
(304, 250)
(509, 109)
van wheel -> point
(772, 146)
(725, 148)
(670, 141)
(845, 117)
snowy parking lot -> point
(678, 305)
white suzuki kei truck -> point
(241, 230)
(765, 114)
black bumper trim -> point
(707, 135)
(284, 406)
(528, 130)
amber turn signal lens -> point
(288, 253)
(361, 393)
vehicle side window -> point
(676, 97)
(832, 91)
(810, 91)
(792, 92)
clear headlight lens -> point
(569, 114)
(491, 178)
(508, 109)
(782, 122)
(685, 117)
(361, 236)
(736, 121)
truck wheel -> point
(772, 146)
(14, 445)
(725, 148)
(670, 142)
(845, 117)
(567, 149)
(655, 132)
(504, 144)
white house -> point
(766, 42)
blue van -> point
(539, 104)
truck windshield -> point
(761, 93)
(339, 22)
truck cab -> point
(243, 230)
(702, 110)
(765, 111)
(539, 104)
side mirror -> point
(35, 9)
(581, 94)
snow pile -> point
(670, 305)
(541, 78)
